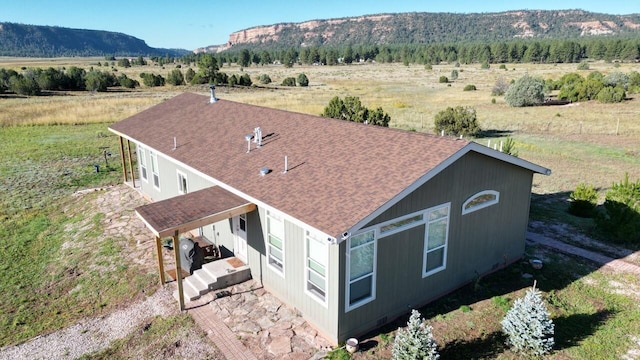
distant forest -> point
(609, 48)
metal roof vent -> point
(213, 98)
(264, 171)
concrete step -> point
(190, 294)
(205, 277)
(196, 284)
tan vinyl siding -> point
(478, 242)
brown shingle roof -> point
(186, 212)
(339, 171)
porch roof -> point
(193, 210)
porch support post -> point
(160, 261)
(122, 159)
(133, 178)
(176, 251)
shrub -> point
(454, 74)
(289, 81)
(302, 80)
(264, 79)
(443, 79)
(189, 75)
(245, 80)
(485, 65)
(500, 87)
(526, 91)
(509, 147)
(583, 200)
(469, 87)
(527, 325)
(428, 67)
(152, 80)
(175, 77)
(621, 218)
(457, 121)
(503, 67)
(610, 94)
(583, 65)
(415, 341)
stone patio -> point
(265, 326)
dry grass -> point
(581, 142)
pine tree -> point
(527, 325)
(415, 342)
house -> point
(350, 224)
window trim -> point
(142, 162)
(445, 245)
(273, 216)
(181, 176)
(482, 205)
(312, 236)
(155, 171)
(402, 227)
(373, 274)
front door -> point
(240, 244)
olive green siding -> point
(478, 242)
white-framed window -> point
(316, 266)
(275, 242)
(480, 200)
(182, 182)
(435, 240)
(361, 269)
(142, 160)
(154, 169)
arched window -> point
(480, 200)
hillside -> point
(51, 41)
(426, 28)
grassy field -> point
(49, 145)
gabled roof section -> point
(339, 172)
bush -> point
(583, 65)
(469, 87)
(454, 74)
(415, 341)
(290, 81)
(485, 65)
(175, 77)
(526, 91)
(621, 218)
(610, 94)
(152, 80)
(264, 79)
(500, 87)
(503, 67)
(189, 75)
(527, 325)
(443, 79)
(303, 80)
(583, 200)
(457, 121)
(351, 109)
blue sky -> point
(189, 24)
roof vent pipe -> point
(213, 99)
(257, 136)
(286, 164)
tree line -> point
(513, 51)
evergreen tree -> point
(527, 325)
(415, 342)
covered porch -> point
(179, 215)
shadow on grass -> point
(493, 133)
(571, 330)
(488, 347)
